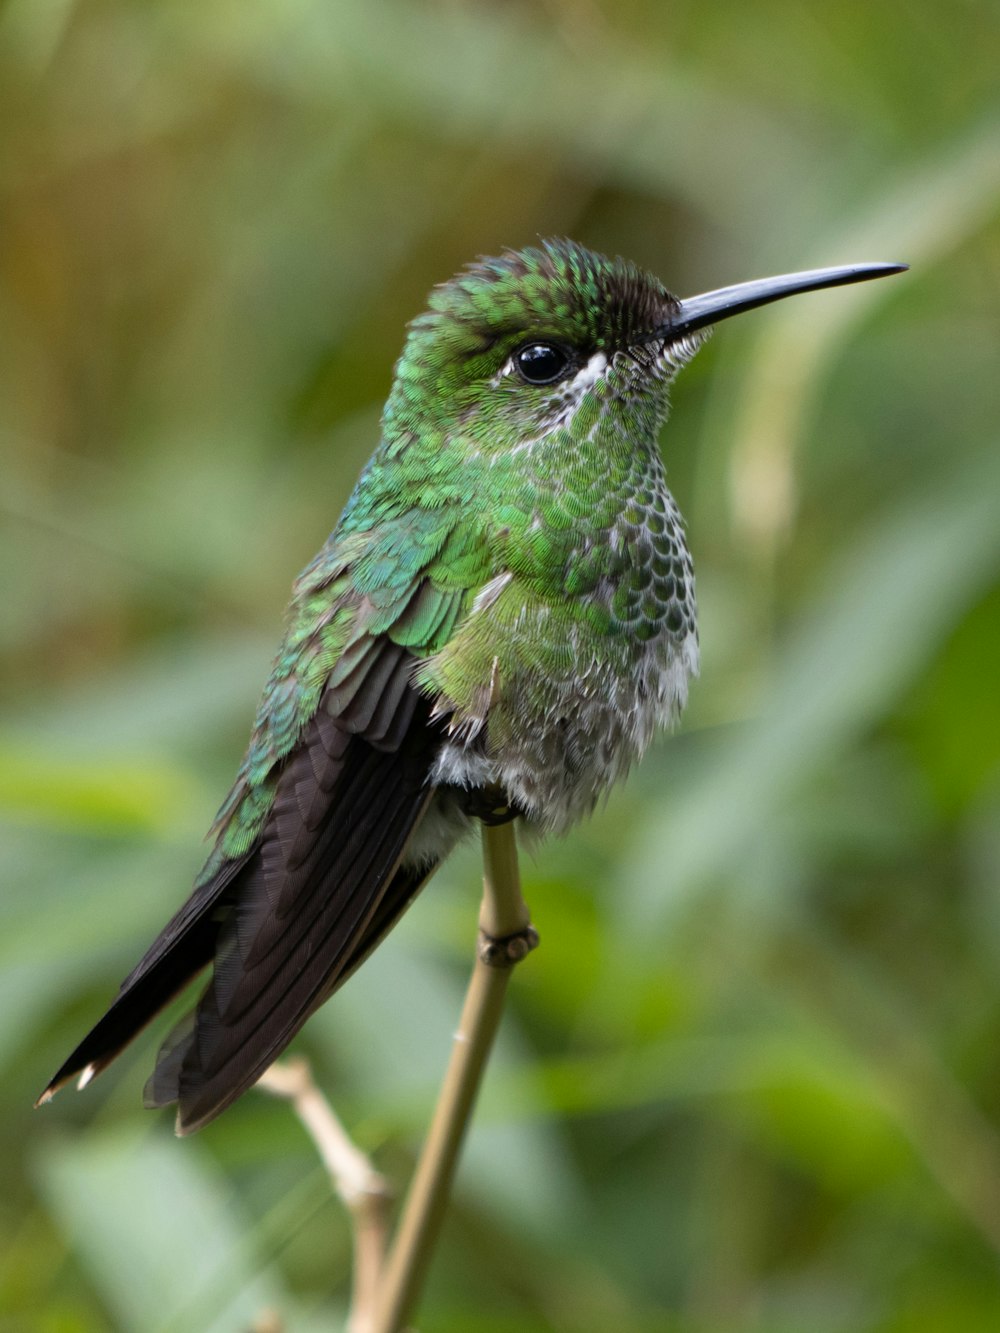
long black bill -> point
(697, 311)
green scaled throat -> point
(501, 619)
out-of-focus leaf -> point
(161, 1233)
(475, 74)
(928, 211)
(111, 798)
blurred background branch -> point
(359, 1187)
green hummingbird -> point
(501, 619)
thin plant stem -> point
(364, 1192)
(505, 937)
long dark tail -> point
(284, 925)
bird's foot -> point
(490, 805)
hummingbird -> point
(500, 621)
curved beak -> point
(697, 311)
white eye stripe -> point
(589, 374)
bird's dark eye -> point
(541, 363)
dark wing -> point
(289, 919)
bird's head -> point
(515, 346)
(550, 337)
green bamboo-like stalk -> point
(505, 937)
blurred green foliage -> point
(752, 1079)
